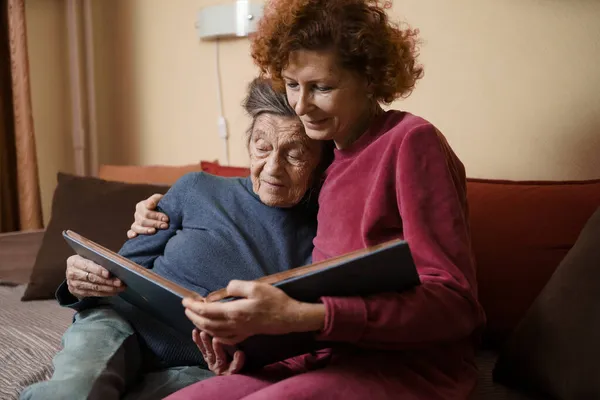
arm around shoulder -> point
(144, 250)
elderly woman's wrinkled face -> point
(283, 160)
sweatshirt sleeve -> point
(431, 198)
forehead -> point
(309, 64)
(280, 129)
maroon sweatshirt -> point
(402, 180)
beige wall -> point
(513, 84)
(157, 86)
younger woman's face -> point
(332, 102)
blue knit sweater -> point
(219, 230)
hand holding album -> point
(261, 309)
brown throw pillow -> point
(97, 209)
(554, 350)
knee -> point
(96, 328)
(103, 318)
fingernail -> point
(164, 226)
(118, 283)
(164, 219)
(150, 230)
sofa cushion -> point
(30, 336)
(154, 174)
(554, 350)
(95, 208)
(521, 231)
(222, 170)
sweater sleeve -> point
(431, 198)
(145, 249)
(67, 299)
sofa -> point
(521, 232)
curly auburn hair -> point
(360, 32)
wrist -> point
(308, 317)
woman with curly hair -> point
(394, 176)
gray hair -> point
(263, 99)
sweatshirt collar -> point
(364, 140)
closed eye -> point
(324, 88)
(296, 155)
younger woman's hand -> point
(215, 356)
(262, 309)
(146, 220)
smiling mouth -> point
(318, 122)
(278, 185)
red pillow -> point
(222, 170)
(521, 231)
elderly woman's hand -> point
(146, 220)
(215, 356)
(88, 279)
(263, 309)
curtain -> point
(20, 203)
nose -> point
(273, 164)
(304, 103)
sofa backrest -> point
(152, 174)
(520, 233)
(17, 254)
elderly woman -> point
(393, 176)
(220, 229)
